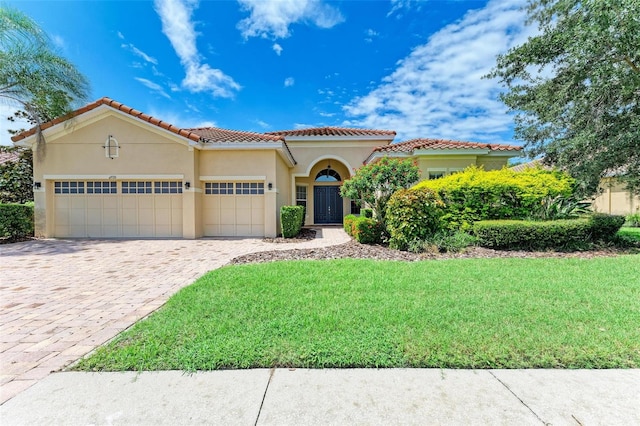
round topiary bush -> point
(413, 214)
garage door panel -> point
(257, 202)
(146, 202)
(243, 230)
(243, 217)
(78, 202)
(129, 202)
(257, 217)
(77, 218)
(228, 230)
(163, 217)
(227, 217)
(243, 203)
(62, 202)
(94, 217)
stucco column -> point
(189, 227)
(40, 212)
(271, 213)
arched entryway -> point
(326, 195)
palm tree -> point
(33, 77)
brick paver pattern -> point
(60, 299)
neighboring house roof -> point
(333, 131)
(7, 156)
(530, 165)
(415, 144)
(116, 105)
(214, 134)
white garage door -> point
(117, 209)
(234, 209)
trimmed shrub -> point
(604, 227)
(368, 230)
(476, 194)
(349, 223)
(533, 235)
(291, 218)
(16, 221)
(412, 215)
(366, 212)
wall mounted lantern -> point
(111, 147)
(187, 185)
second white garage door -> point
(234, 209)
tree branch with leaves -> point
(575, 88)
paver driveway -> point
(60, 299)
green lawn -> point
(468, 313)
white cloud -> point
(180, 30)
(273, 18)
(438, 90)
(184, 122)
(120, 35)
(130, 47)
(370, 34)
(327, 114)
(263, 124)
(289, 81)
(277, 48)
(153, 86)
(397, 5)
(58, 41)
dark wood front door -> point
(327, 204)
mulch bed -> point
(305, 234)
(355, 250)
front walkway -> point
(60, 299)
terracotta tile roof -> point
(6, 156)
(524, 166)
(116, 105)
(413, 144)
(214, 134)
(334, 131)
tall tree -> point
(33, 77)
(575, 88)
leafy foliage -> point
(376, 182)
(32, 75)
(576, 88)
(567, 234)
(448, 241)
(413, 215)
(16, 177)
(16, 221)
(291, 218)
(560, 207)
(633, 220)
(475, 194)
(368, 231)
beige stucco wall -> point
(76, 152)
(240, 165)
(282, 188)
(615, 199)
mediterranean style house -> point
(111, 171)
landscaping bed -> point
(354, 250)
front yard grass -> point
(466, 313)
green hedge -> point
(413, 215)
(348, 223)
(16, 221)
(366, 212)
(544, 235)
(368, 231)
(291, 218)
(476, 194)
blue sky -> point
(257, 65)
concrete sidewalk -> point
(357, 396)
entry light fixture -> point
(37, 185)
(111, 147)
(270, 186)
(187, 185)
